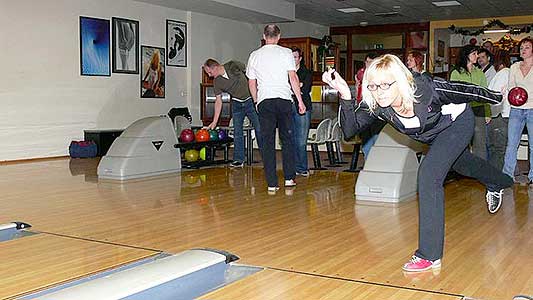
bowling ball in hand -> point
(187, 136)
(517, 96)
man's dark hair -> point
(372, 55)
(487, 53)
(271, 31)
(211, 63)
(296, 49)
(300, 54)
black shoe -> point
(236, 164)
(304, 173)
(494, 200)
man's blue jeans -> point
(301, 131)
(239, 110)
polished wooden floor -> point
(315, 241)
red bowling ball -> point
(187, 136)
(517, 96)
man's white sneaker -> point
(290, 182)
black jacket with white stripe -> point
(431, 94)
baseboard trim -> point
(28, 160)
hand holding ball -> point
(517, 96)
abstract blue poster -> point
(94, 47)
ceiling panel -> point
(325, 11)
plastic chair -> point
(356, 142)
(320, 137)
(333, 145)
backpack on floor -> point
(82, 149)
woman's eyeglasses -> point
(383, 86)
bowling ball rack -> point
(211, 147)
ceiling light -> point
(350, 10)
(387, 14)
(446, 3)
(496, 31)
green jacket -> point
(476, 77)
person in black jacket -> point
(432, 111)
(302, 122)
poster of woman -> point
(153, 72)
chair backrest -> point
(180, 123)
(322, 131)
(330, 137)
(336, 133)
(246, 122)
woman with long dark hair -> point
(466, 71)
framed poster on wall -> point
(153, 72)
(176, 43)
(125, 46)
(440, 48)
(94, 47)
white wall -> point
(221, 39)
(45, 101)
(301, 28)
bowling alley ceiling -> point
(404, 11)
(371, 12)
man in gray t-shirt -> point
(230, 78)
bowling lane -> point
(272, 284)
(40, 261)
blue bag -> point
(82, 149)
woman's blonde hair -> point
(154, 63)
(392, 66)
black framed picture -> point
(176, 43)
(94, 47)
(125, 46)
(153, 72)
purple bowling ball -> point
(221, 135)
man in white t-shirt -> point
(271, 73)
